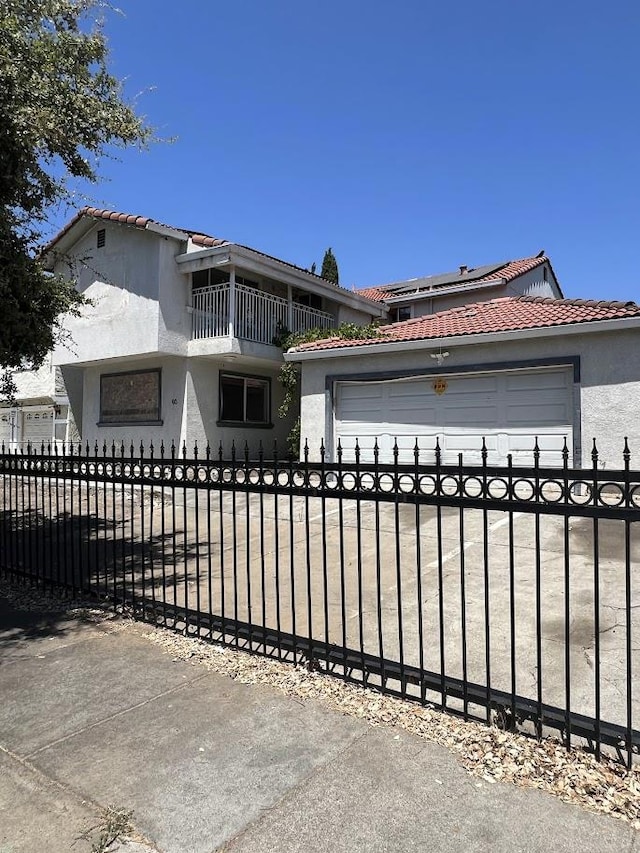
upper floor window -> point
(401, 313)
(207, 278)
(311, 300)
(101, 235)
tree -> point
(329, 267)
(61, 111)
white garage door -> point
(508, 409)
(37, 427)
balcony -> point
(225, 310)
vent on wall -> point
(102, 238)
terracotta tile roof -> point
(512, 269)
(126, 219)
(498, 273)
(207, 242)
(509, 313)
(374, 293)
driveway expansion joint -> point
(81, 799)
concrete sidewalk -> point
(93, 714)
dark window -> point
(130, 398)
(207, 278)
(311, 300)
(102, 238)
(399, 314)
(218, 276)
(244, 399)
(200, 278)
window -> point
(311, 300)
(399, 314)
(209, 277)
(102, 238)
(244, 400)
(130, 398)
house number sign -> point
(440, 386)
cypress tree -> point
(330, 267)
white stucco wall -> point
(173, 372)
(174, 321)
(36, 385)
(531, 283)
(121, 280)
(189, 408)
(421, 307)
(202, 409)
(607, 396)
(346, 314)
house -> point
(507, 370)
(419, 296)
(179, 338)
(41, 414)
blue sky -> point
(411, 137)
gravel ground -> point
(489, 753)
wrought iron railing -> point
(507, 593)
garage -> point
(509, 409)
(37, 426)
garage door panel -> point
(508, 409)
(548, 379)
(475, 384)
(552, 414)
(461, 415)
(37, 427)
(407, 389)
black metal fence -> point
(505, 593)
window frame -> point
(245, 424)
(124, 421)
(396, 313)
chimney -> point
(464, 269)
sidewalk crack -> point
(115, 715)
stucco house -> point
(508, 369)
(41, 410)
(178, 341)
(416, 297)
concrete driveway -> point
(327, 575)
(369, 576)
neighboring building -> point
(508, 370)
(40, 414)
(179, 339)
(429, 294)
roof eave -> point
(83, 223)
(232, 253)
(590, 327)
